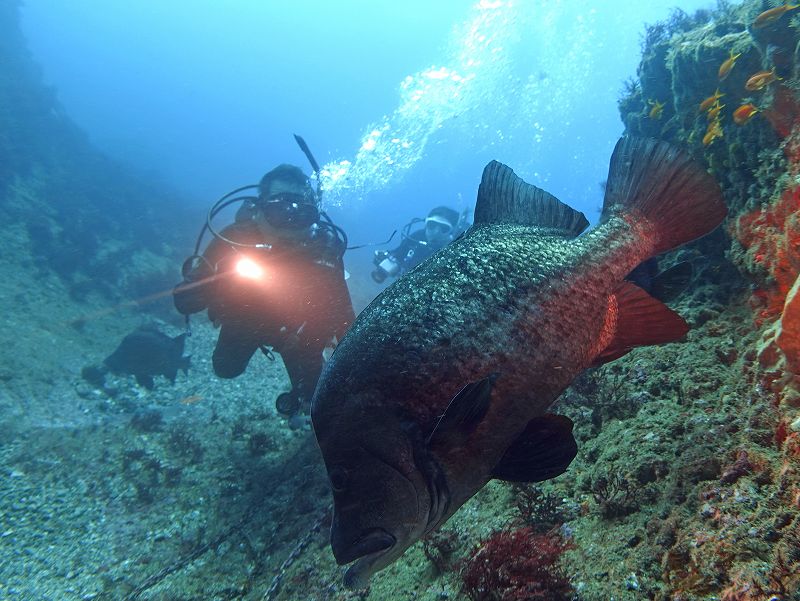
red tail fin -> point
(664, 185)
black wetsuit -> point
(413, 250)
(300, 305)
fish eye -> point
(338, 479)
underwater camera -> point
(386, 266)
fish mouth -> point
(372, 542)
(365, 553)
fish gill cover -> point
(687, 482)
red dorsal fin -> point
(641, 321)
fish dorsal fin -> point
(544, 450)
(641, 320)
(504, 197)
(465, 411)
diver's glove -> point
(191, 295)
(196, 268)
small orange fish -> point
(713, 112)
(190, 400)
(727, 65)
(760, 80)
(773, 14)
(706, 104)
(657, 110)
(744, 113)
(713, 132)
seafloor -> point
(687, 481)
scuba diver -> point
(273, 280)
(442, 226)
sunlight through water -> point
(498, 64)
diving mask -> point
(438, 225)
(290, 211)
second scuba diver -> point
(442, 226)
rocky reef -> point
(728, 82)
(95, 223)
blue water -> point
(207, 94)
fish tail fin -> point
(662, 189)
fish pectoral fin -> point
(641, 321)
(465, 411)
(544, 450)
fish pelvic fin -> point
(145, 380)
(658, 183)
(641, 320)
(504, 197)
(180, 342)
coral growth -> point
(439, 547)
(517, 565)
(536, 508)
(771, 238)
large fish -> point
(444, 381)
